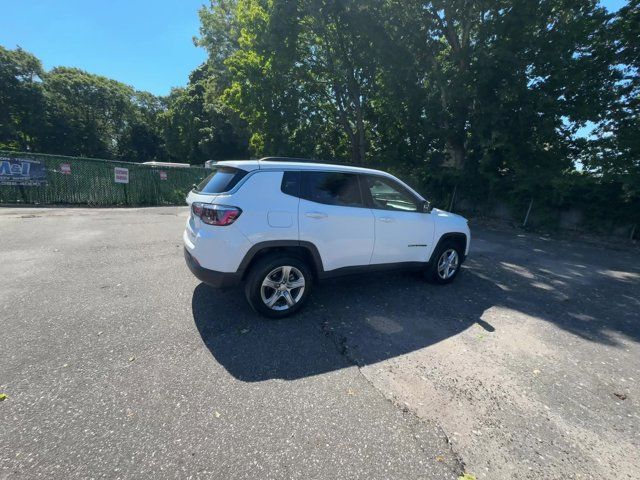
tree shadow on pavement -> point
(365, 320)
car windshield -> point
(222, 179)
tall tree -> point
(197, 127)
(300, 69)
(86, 114)
(614, 154)
(342, 56)
(142, 138)
(21, 99)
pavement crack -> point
(340, 342)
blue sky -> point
(144, 43)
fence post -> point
(633, 231)
(453, 198)
(526, 218)
(23, 194)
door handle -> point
(386, 219)
(317, 215)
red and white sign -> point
(121, 175)
(163, 175)
(65, 168)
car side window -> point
(388, 195)
(291, 183)
(332, 188)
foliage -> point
(196, 126)
(86, 114)
(494, 99)
(466, 476)
(73, 112)
(21, 98)
(488, 96)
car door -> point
(333, 216)
(403, 232)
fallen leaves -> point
(621, 396)
(466, 476)
(3, 396)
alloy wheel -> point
(448, 264)
(282, 288)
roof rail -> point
(290, 159)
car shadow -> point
(364, 320)
(389, 315)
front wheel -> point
(278, 286)
(446, 264)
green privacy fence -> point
(28, 178)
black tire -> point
(265, 267)
(433, 273)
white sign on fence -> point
(65, 168)
(121, 175)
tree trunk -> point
(360, 138)
(457, 154)
(358, 146)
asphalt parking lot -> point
(118, 363)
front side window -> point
(332, 188)
(222, 179)
(389, 195)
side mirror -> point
(426, 206)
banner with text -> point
(22, 172)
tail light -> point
(220, 215)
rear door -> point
(333, 216)
(403, 233)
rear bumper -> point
(211, 277)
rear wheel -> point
(278, 285)
(446, 263)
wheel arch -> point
(307, 251)
(459, 238)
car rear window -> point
(222, 179)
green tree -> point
(613, 156)
(302, 73)
(21, 99)
(142, 138)
(197, 127)
(86, 114)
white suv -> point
(279, 224)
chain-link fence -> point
(541, 214)
(576, 203)
(39, 179)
